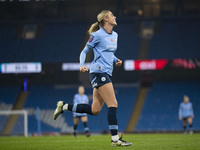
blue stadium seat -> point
(8, 94)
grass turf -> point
(102, 142)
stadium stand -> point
(128, 41)
(46, 97)
(8, 95)
(56, 39)
(46, 100)
(178, 35)
(160, 111)
(126, 97)
(178, 38)
(125, 102)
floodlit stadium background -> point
(40, 43)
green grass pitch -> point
(102, 142)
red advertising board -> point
(145, 64)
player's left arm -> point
(117, 61)
(83, 57)
(191, 109)
(86, 99)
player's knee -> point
(95, 112)
(114, 104)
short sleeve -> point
(93, 40)
(87, 99)
(75, 98)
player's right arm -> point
(75, 99)
(92, 42)
(82, 59)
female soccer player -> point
(103, 41)
(81, 98)
(186, 113)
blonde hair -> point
(100, 21)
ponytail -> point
(94, 27)
(100, 21)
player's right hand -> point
(83, 69)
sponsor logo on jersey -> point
(111, 47)
(103, 79)
(91, 38)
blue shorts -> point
(79, 115)
(99, 79)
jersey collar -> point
(102, 28)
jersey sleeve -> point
(115, 59)
(83, 55)
(93, 40)
(87, 99)
(75, 99)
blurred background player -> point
(81, 98)
(186, 114)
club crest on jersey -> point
(91, 38)
(103, 79)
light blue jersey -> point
(104, 46)
(185, 110)
(80, 99)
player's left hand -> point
(118, 63)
